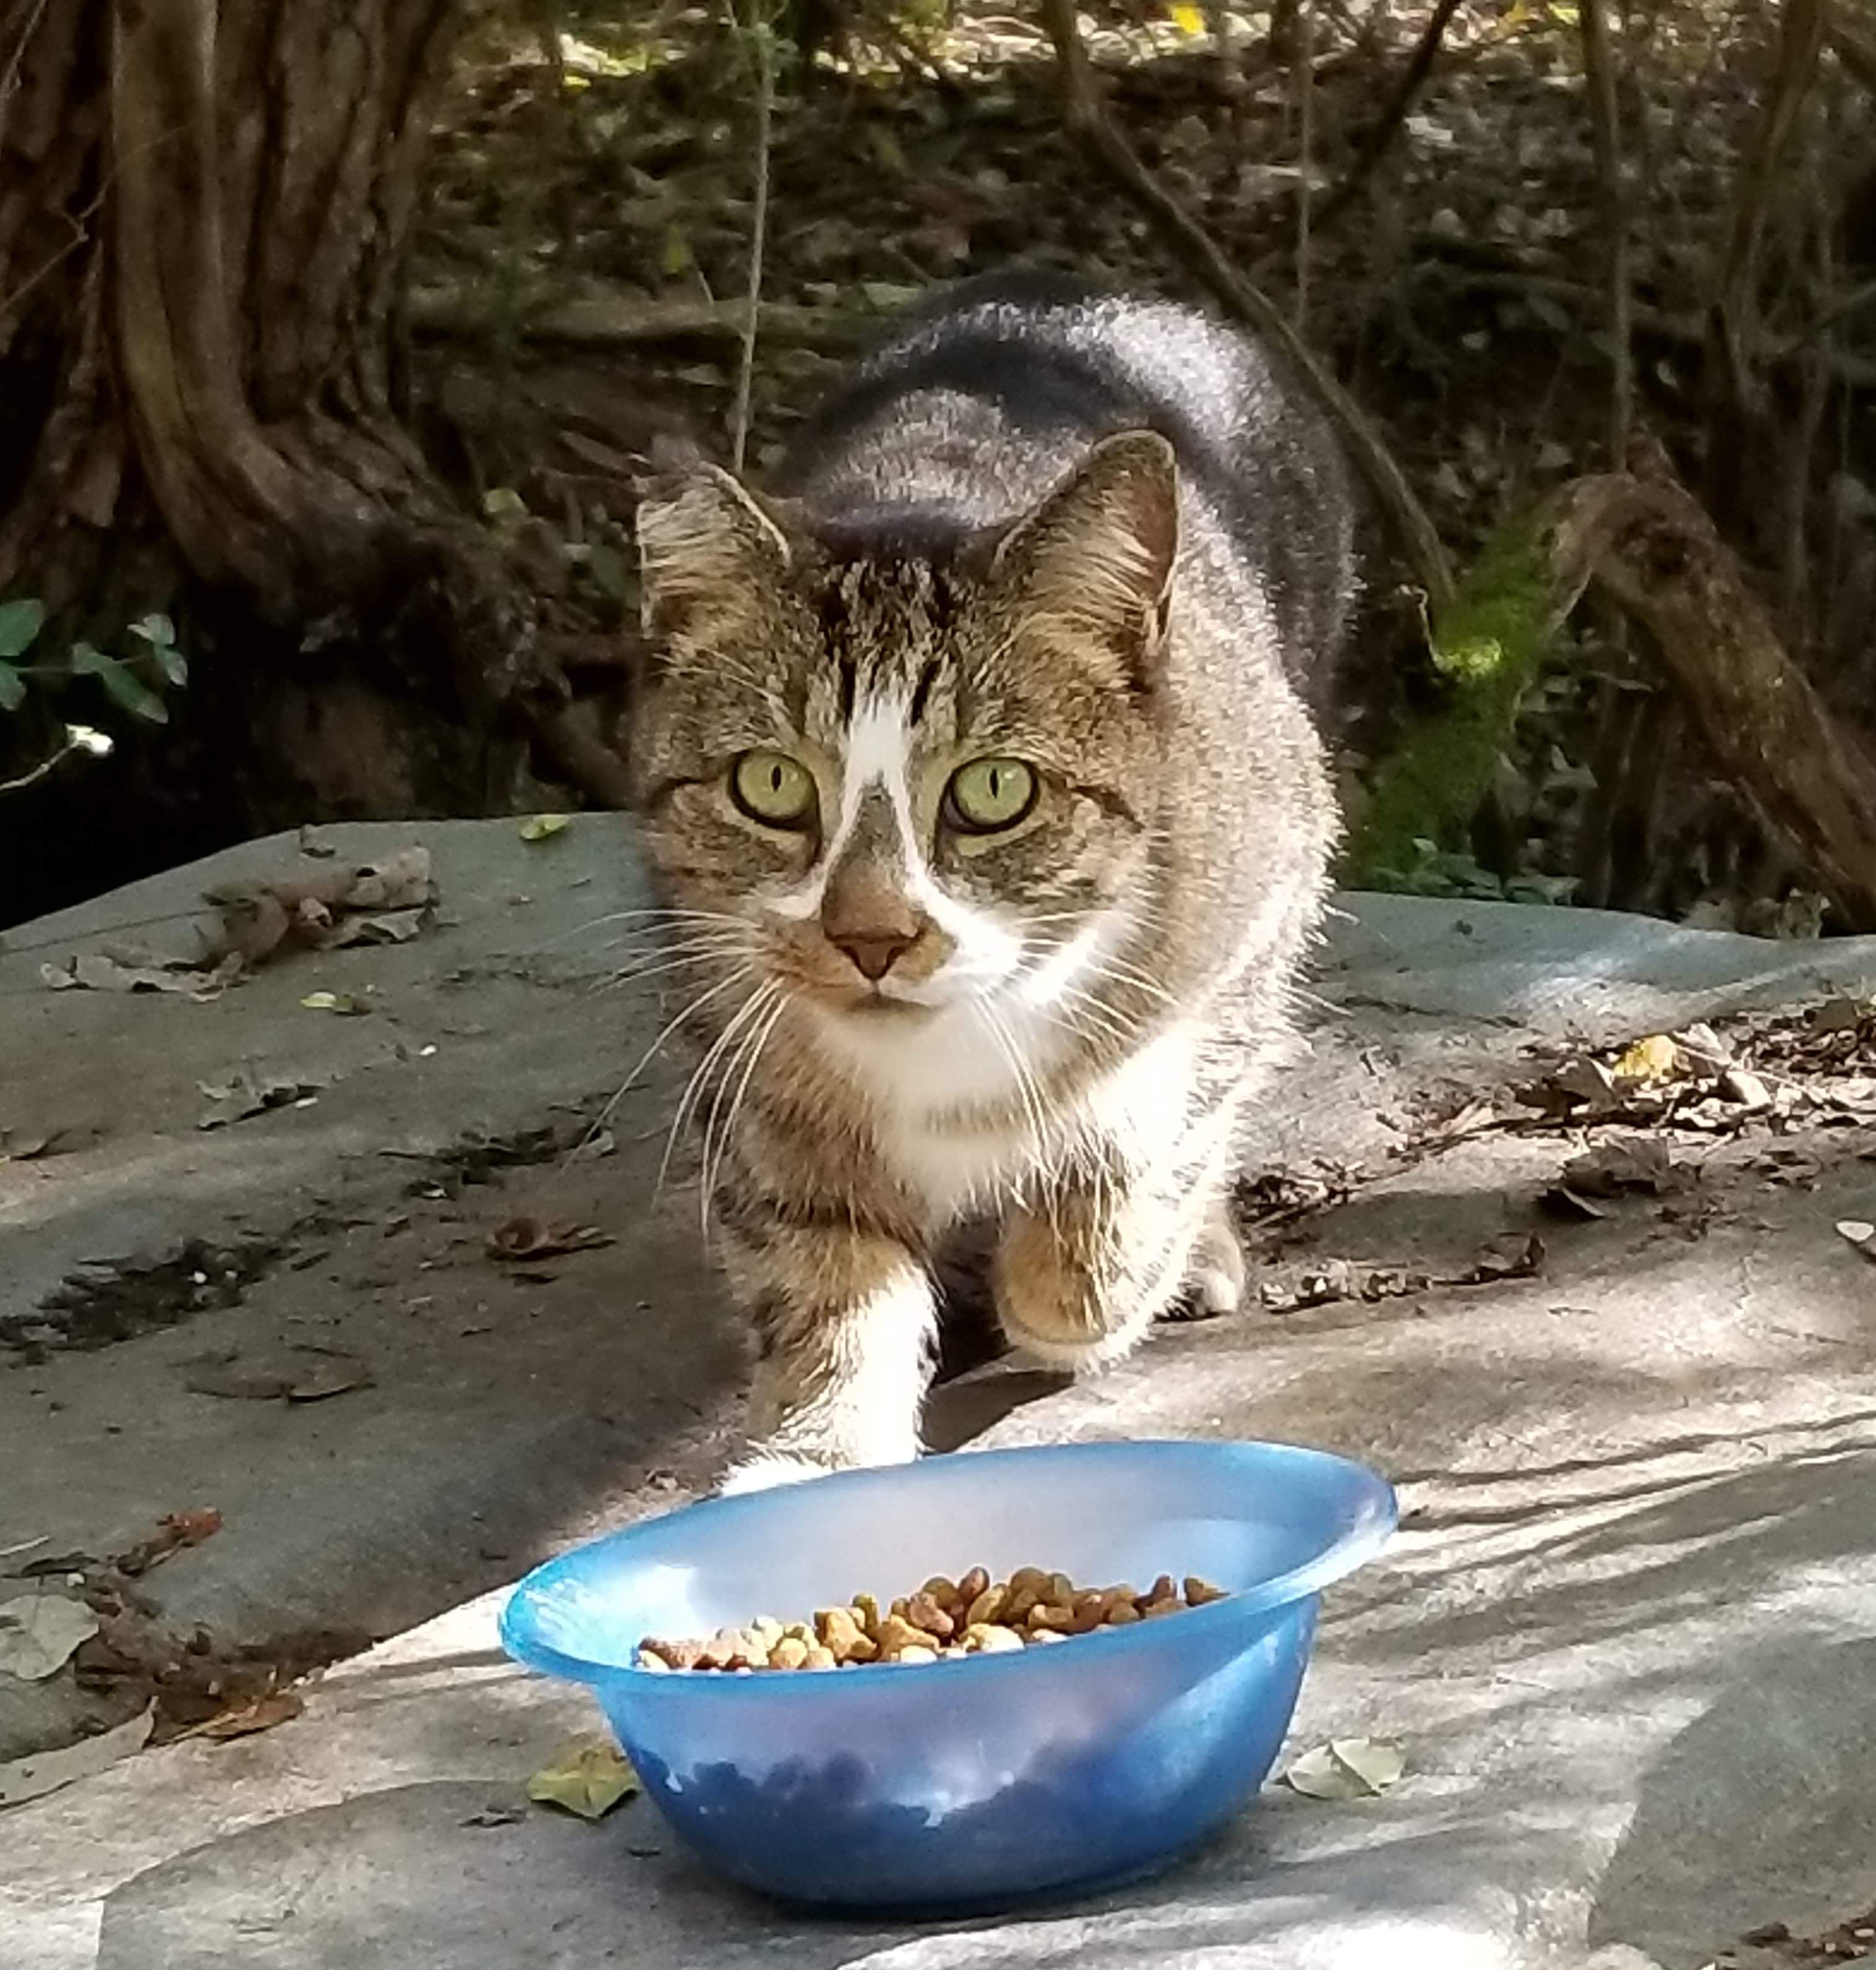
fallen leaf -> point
(1741, 1085)
(387, 927)
(1624, 1163)
(330, 1371)
(343, 1004)
(333, 1373)
(1513, 1258)
(494, 1815)
(246, 1093)
(92, 971)
(240, 1385)
(42, 1772)
(262, 1714)
(1347, 1768)
(38, 1633)
(544, 827)
(525, 1238)
(587, 1775)
(1657, 1057)
(174, 1531)
(1561, 1201)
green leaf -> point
(587, 1775)
(153, 629)
(19, 624)
(160, 633)
(12, 688)
(544, 827)
(121, 684)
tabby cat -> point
(977, 767)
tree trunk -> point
(204, 210)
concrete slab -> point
(1624, 1633)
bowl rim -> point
(1377, 1514)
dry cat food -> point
(972, 1615)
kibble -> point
(945, 1620)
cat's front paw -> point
(1053, 1309)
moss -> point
(1488, 645)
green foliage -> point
(162, 664)
(1434, 871)
(1489, 644)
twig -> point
(1606, 135)
(1381, 133)
(1802, 24)
(1857, 53)
(764, 46)
(1085, 118)
(42, 771)
(1304, 81)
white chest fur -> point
(966, 1111)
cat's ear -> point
(708, 551)
(1094, 561)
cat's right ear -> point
(708, 551)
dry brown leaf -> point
(524, 1237)
(174, 1530)
(262, 1714)
(1624, 1163)
(334, 1373)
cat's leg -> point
(1086, 1267)
(1215, 1272)
(843, 1321)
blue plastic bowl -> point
(977, 1783)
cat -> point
(977, 765)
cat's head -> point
(898, 777)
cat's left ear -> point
(710, 551)
(1094, 561)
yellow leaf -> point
(1187, 19)
(587, 1775)
(1347, 1768)
(342, 1002)
(1655, 1058)
(544, 827)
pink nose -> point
(874, 957)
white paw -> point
(764, 1472)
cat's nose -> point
(873, 957)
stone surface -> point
(1624, 1631)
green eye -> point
(990, 794)
(773, 789)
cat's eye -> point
(989, 795)
(773, 789)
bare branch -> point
(1083, 113)
(1802, 24)
(1380, 134)
(1606, 133)
(763, 42)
